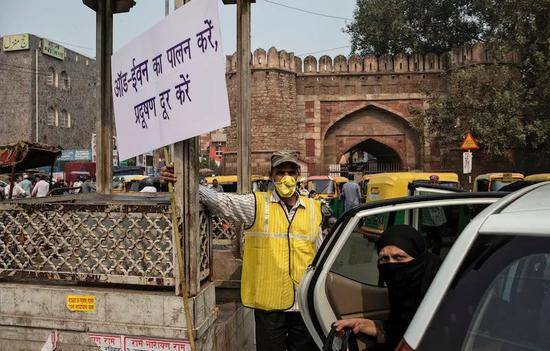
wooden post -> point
(104, 117)
(186, 168)
(243, 104)
(244, 99)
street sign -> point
(469, 143)
(15, 42)
(467, 162)
(169, 83)
(81, 303)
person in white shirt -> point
(77, 184)
(18, 191)
(41, 188)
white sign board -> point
(107, 342)
(467, 162)
(169, 82)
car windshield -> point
(497, 184)
(499, 299)
(321, 186)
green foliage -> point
(504, 106)
(483, 100)
(403, 26)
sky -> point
(72, 24)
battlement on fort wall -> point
(399, 63)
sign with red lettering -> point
(107, 342)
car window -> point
(500, 299)
(440, 226)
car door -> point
(342, 281)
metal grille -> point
(224, 233)
(99, 243)
(205, 245)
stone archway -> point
(372, 156)
(375, 130)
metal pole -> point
(36, 97)
(166, 7)
(104, 117)
(244, 99)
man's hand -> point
(167, 174)
(358, 325)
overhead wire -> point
(325, 50)
(308, 11)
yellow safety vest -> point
(276, 252)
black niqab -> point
(407, 282)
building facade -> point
(48, 93)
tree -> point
(404, 26)
(484, 100)
(523, 26)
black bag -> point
(349, 341)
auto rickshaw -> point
(127, 183)
(535, 178)
(383, 186)
(364, 186)
(324, 186)
(495, 181)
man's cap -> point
(280, 157)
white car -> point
(492, 291)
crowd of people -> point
(40, 185)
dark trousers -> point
(281, 331)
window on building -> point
(69, 120)
(65, 81)
(50, 80)
(51, 117)
(64, 120)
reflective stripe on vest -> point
(276, 252)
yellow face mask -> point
(286, 186)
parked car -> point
(491, 292)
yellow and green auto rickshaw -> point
(495, 181)
(324, 186)
(535, 178)
(364, 186)
(383, 186)
(127, 183)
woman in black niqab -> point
(407, 281)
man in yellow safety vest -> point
(282, 234)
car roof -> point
(524, 212)
(527, 215)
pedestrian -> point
(26, 184)
(216, 186)
(18, 191)
(77, 184)
(42, 187)
(88, 186)
(407, 268)
(352, 194)
(283, 233)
